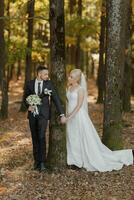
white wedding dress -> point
(84, 147)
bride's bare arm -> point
(79, 104)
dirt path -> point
(19, 182)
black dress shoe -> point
(73, 167)
(133, 156)
(36, 166)
(42, 167)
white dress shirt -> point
(36, 85)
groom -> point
(44, 88)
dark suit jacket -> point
(44, 108)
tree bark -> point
(10, 67)
(19, 71)
(30, 39)
(28, 69)
(128, 61)
(116, 26)
(72, 49)
(57, 144)
(72, 4)
(101, 69)
(10, 72)
(3, 58)
(78, 48)
(132, 70)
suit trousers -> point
(38, 128)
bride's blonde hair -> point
(77, 73)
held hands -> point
(63, 120)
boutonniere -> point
(47, 92)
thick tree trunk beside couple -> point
(57, 144)
(115, 58)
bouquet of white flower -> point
(34, 100)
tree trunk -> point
(78, 49)
(30, 39)
(10, 68)
(72, 4)
(72, 49)
(3, 58)
(116, 26)
(92, 67)
(78, 53)
(128, 61)
(10, 72)
(28, 69)
(87, 64)
(19, 69)
(57, 144)
(132, 87)
(9, 22)
(101, 69)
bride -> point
(84, 147)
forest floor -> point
(19, 182)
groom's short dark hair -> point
(40, 68)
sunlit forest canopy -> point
(87, 26)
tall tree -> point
(116, 26)
(10, 67)
(72, 4)
(79, 52)
(28, 68)
(71, 49)
(30, 10)
(101, 68)
(57, 144)
(3, 57)
(128, 61)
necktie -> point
(39, 88)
